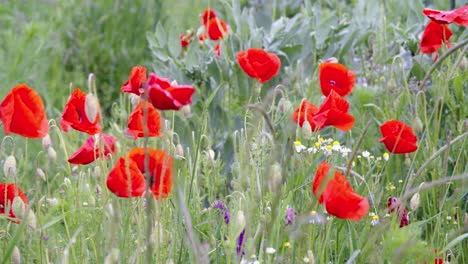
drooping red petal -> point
(398, 137)
(458, 16)
(136, 121)
(306, 111)
(125, 179)
(216, 28)
(334, 112)
(8, 192)
(90, 151)
(22, 112)
(134, 83)
(338, 196)
(74, 115)
(433, 36)
(259, 64)
(335, 76)
(165, 96)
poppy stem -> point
(439, 62)
(353, 154)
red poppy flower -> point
(458, 16)
(127, 178)
(166, 96)
(306, 111)
(335, 76)
(8, 192)
(75, 115)
(398, 137)
(207, 15)
(338, 196)
(185, 39)
(137, 119)
(433, 36)
(259, 64)
(22, 112)
(137, 77)
(334, 112)
(216, 28)
(91, 150)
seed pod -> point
(41, 174)
(18, 207)
(306, 130)
(179, 151)
(240, 220)
(46, 141)
(9, 167)
(15, 256)
(31, 220)
(417, 125)
(52, 154)
(187, 111)
(284, 105)
(211, 155)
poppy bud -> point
(46, 141)
(211, 155)
(113, 257)
(240, 220)
(464, 64)
(91, 107)
(52, 154)
(418, 125)
(284, 105)
(18, 207)
(186, 111)
(134, 99)
(9, 167)
(92, 201)
(179, 151)
(274, 181)
(414, 202)
(31, 220)
(15, 256)
(306, 129)
(40, 173)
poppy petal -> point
(335, 76)
(125, 179)
(434, 36)
(398, 137)
(137, 119)
(74, 115)
(8, 192)
(458, 16)
(89, 151)
(134, 83)
(259, 64)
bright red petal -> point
(164, 96)
(90, 151)
(137, 119)
(134, 83)
(334, 112)
(22, 112)
(458, 16)
(125, 179)
(335, 76)
(305, 111)
(217, 29)
(74, 115)
(207, 15)
(433, 36)
(398, 137)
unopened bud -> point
(91, 107)
(415, 201)
(186, 110)
(46, 141)
(311, 257)
(15, 256)
(52, 201)
(41, 174)
(240, 220)
(52, 154)
(31, 219)
(306, 130)
(211, 154)
(134, 99)
(200, 31)
(179, 151)
(18, 207)
(113, 257)
(9, 167)
(417, 125)
(284, 105)
(274, 181)
(97, 172)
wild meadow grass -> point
(236, 143)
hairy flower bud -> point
(179, 151)
(52, 154)
(41, 174)
(306, 130)
(186, 110)
(275, 178)
(18, 207)
(417, 125)
(415, 201)
(91, 107)
(46, 141)
(9, 167)
(15, 257)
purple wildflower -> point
(394, 205)
(291, 215)
(240, 241)
(218, 204)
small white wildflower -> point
(385, 156)
(375, 219)
(67, 181)
(312, 150)
(336, 146)
(299, 147)
(366, 154)
(344, 151)
(270, 250)
(306, 260)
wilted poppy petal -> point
(398, 137)
(458, 16)
(335, 76)
(74, 115)
(259, 64)
(137, 119)
(165, 96)
(8, 192)
(125, 179)
(22, 112)
(433, 36)
(137, 77)
(90, 151)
